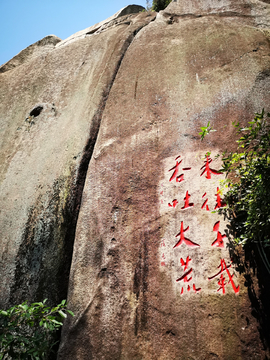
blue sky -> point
(23, 22)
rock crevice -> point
(57, 146)
(114, 164)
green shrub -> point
(248, 198)
(248, 181)
(160, 4)
(26, 331)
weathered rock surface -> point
(50, 111)
(117, 18)
(256, 10)
(41, 47)
(129, 95)
(179, 73)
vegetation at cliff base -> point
(26, 331)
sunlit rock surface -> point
(51, 106)
(133, 247)
(122, 103)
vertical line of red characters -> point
(179, 176)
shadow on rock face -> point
(252, 261)
(259, 300)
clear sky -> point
(23, 22)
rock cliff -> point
(52, 100)
(99, 143)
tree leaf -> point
(62, 314)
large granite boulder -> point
(99, 142)
(152, 276)
(52, 100)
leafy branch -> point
(26, 331)
(248, 197)
(248, 179)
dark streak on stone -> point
(88, 151)
(137, 278)
(136, 323)
(135, 90)
(140, 286)
(43, 259)
(48, 239)
(191, 136)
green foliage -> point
(148, 5)
(248, 181)
(248, 197)
(205, 130)
(26, 331)
(160, 4)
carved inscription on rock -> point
(193, 249)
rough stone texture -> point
(121, 101)
(103, 25)
(41, 47)
(257, 10)
(179, 73)
(50, 111)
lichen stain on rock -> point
(44, 256)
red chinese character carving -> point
(196, 289)
(220, 203)
(162, 244)
(178, 178)
(223, 267)
(185, 263)
(204, 205)
(222, 283)
(219, 240)
(181, 176)
(163, 260)
(174, 203)
(187, 203)
(186, 277)
(176, 170)
(207, 168)
(183, 239)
